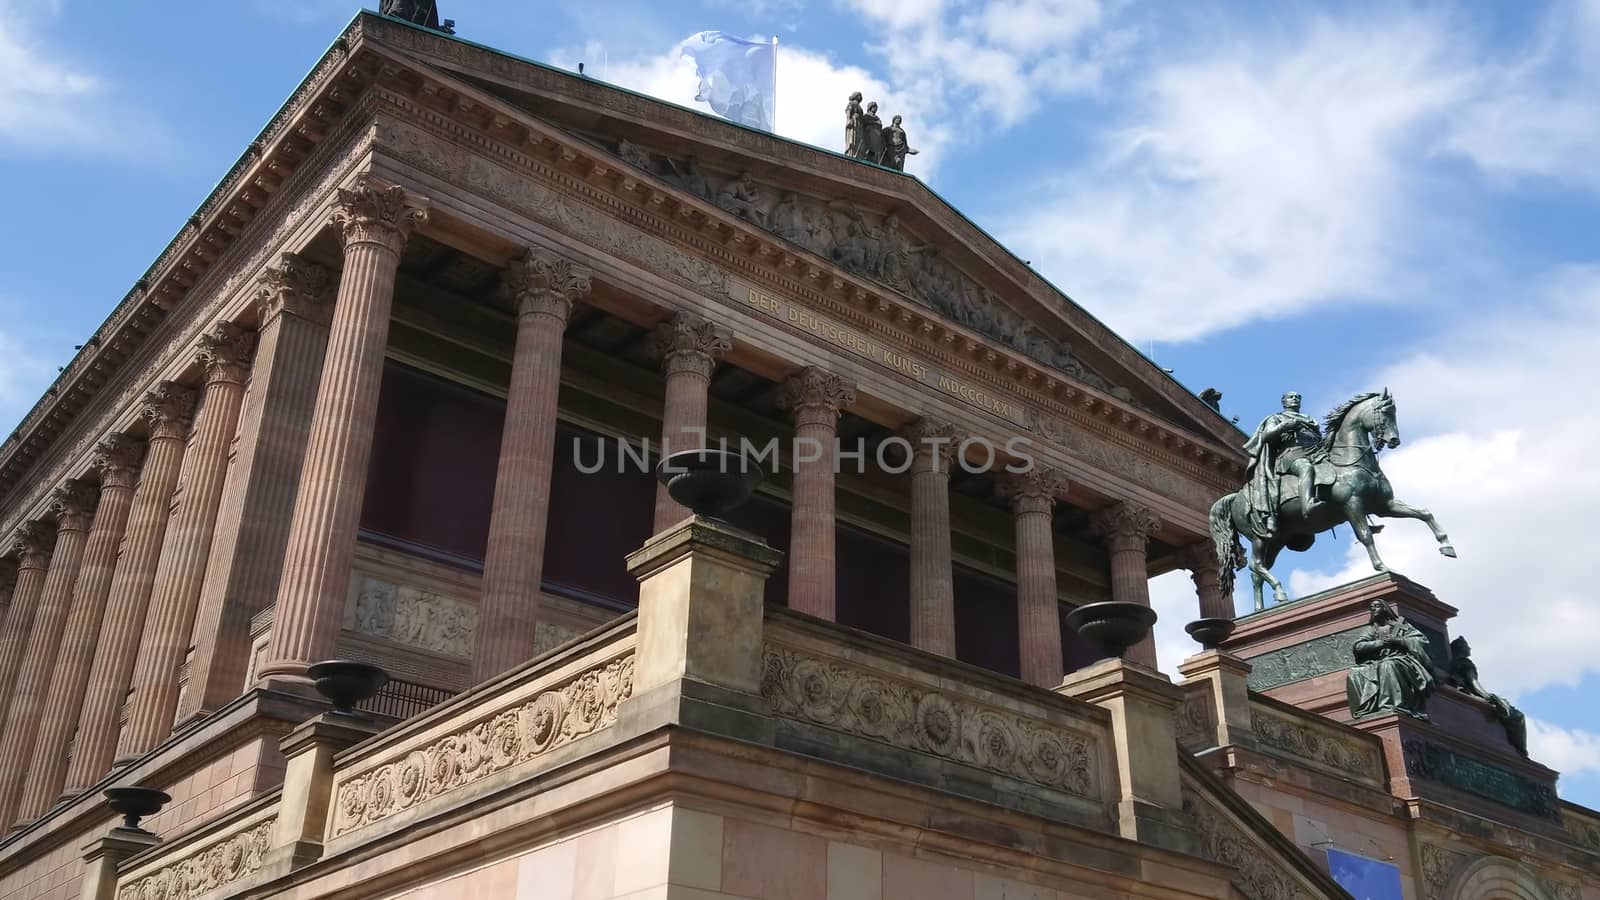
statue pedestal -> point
(1299, 651)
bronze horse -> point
(1346, 467)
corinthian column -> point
(117, 459)
(1033, 497)
(374, 222)
(544, 287)
(225, 354)
(933, 604)
(73, 506)
(814, 397)
(167, 410)
(295, 303)
(690, 347)
(1201, 561)
(32, 544)
(1126, 528)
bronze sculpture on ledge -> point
(417, 12)
(1278, 508)
(1464, 675)
(1393, 672)
(866, 137)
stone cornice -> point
(568, 167)
(588, 100)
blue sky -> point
(1329, 197)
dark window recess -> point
(435, 446)
(769, 520)
(986, 622)
(873, 578)
(596, 519)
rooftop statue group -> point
(1394, 672)
(866, 137)
(417, 12)
(1304, 479)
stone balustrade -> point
(216, 859)
(1317, 742)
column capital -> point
(1198, 557)
(933, 444)
(1034, 491)
(688, 343)
(73, 505)
(169, 408)
(118, 458)
(545, 283)
(815, 396)
(369, 212)
(1126, 525)
(33, 542)
(296, 286)
(225, 351)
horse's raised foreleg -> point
(1356, 513)
(1399, 509)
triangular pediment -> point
(873, 223)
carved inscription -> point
(867, 348)
(555, 717)
(1436, 762)
(859, 701)
(215, 867)
(409, 615)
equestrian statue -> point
(1302, 480)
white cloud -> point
(1176, 604)
(1501, 446)
(1570, 751)
(1257, 179)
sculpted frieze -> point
(1306, 741)
(410, 615)
(1447, 766)
(553, 718)
(1439, 865)
(1195, 722)
(215, 867)
(855, 700)
(1257, 875)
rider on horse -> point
(1284, 444)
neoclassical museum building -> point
(394, 394)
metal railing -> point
(400, 699)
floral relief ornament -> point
(215, 867)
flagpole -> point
(774, 84)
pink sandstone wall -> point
(1315, 825)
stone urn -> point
(135, 803)
(346, 683)
(1112, 625)
(709, 482)
(1210, 633)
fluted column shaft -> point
(1201, 561)
(690, 347)
(1126, 528)
(117, 458)
(225, 352)
(374, 223)
(32, 544)
(295, 302)
(544, 287)
(933, 605)
(814, 397)
(1033, 497)
(73, 506)
(167, 409)
(8, 589)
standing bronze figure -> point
(852, 126)
(895, 147)
(871, 137)
(1277, 510)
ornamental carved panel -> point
(412, 616)
(1195, 722)
(217, 866)
(1308, 742)
(1257, 874)
(553, 718)
(1438, 867)
(859, 701)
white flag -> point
(738, 78)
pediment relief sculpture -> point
(878, 248)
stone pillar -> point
(1142, 703)
(690, 347)
(1033, 497)
(225, 353)
(1126, 528)
(933, 604)
(1201, 561)
(814, 397)
(304, 803)
(32, 543)
(374, 223)
(544, 287)
(104, 854)
(167, 409)
(117, 459)
(1229, 689)
(73, 506)
(295, 303)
